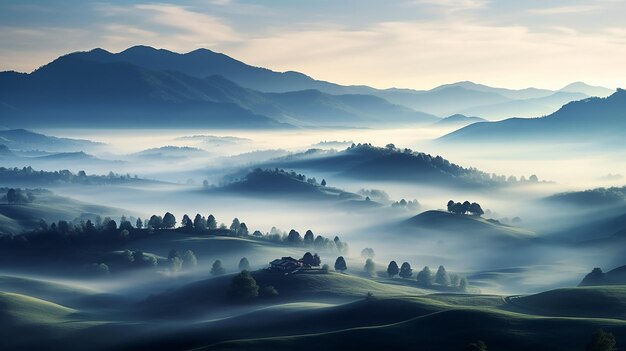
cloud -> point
(563, 10)
(201, 27)
(454, 5)
(424, 54)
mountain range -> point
(591, 119)
(148, 87)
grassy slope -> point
(562, 319)
(14, 218)
(201, 298)
(445, 221)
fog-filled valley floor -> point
(142, 234)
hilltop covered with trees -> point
(365, 161)
(27, 175)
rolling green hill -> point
(441, 221)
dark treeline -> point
(69, 242)
(408, 156)
(28, 175)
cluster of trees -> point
(319, 242)
(243, 287)
(437, 162)
(291, 174)
(411, 205)
(465, 207)
(28, 174)
(425, 277)
(17, 196)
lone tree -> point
(405, 270)
(169, 221)
(189, 260)
(217, 268)
(463, 284)
(442, 276)
(370, 267)
(340, 264)
(425, 277)
(243, 287)
(392, 269)
(601, 341)
(323, 183)
(244, 265)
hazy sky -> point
(401, 43)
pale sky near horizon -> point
(395, 43)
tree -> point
(455, 280)
(243, 286)
(323, 183)
(244, 265)
(405, 270)
(189, 260)
(217, 268)
(463, 284)
(476, 346)
(187, 223)
(476, 210)
(451, 206)
(199, 223)
(392, 269)
(110, 226)
(155, 222)
(465, 207)
(425, 277)
(235, 225)
(294, 237)
(368, 252)
(12, 196)
(370, 267)
(243, 229)
(268, 292)
(601, 341)
(311, 260)
(169, 221)
(126, 225)
(533, 178)
(139, 223)
(316, 260)
(442, 276)
(340, 264)
(211, 223)
(175, 263)
(309, 237)
(89, 227)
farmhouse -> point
(286, 265)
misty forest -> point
(172, 197)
